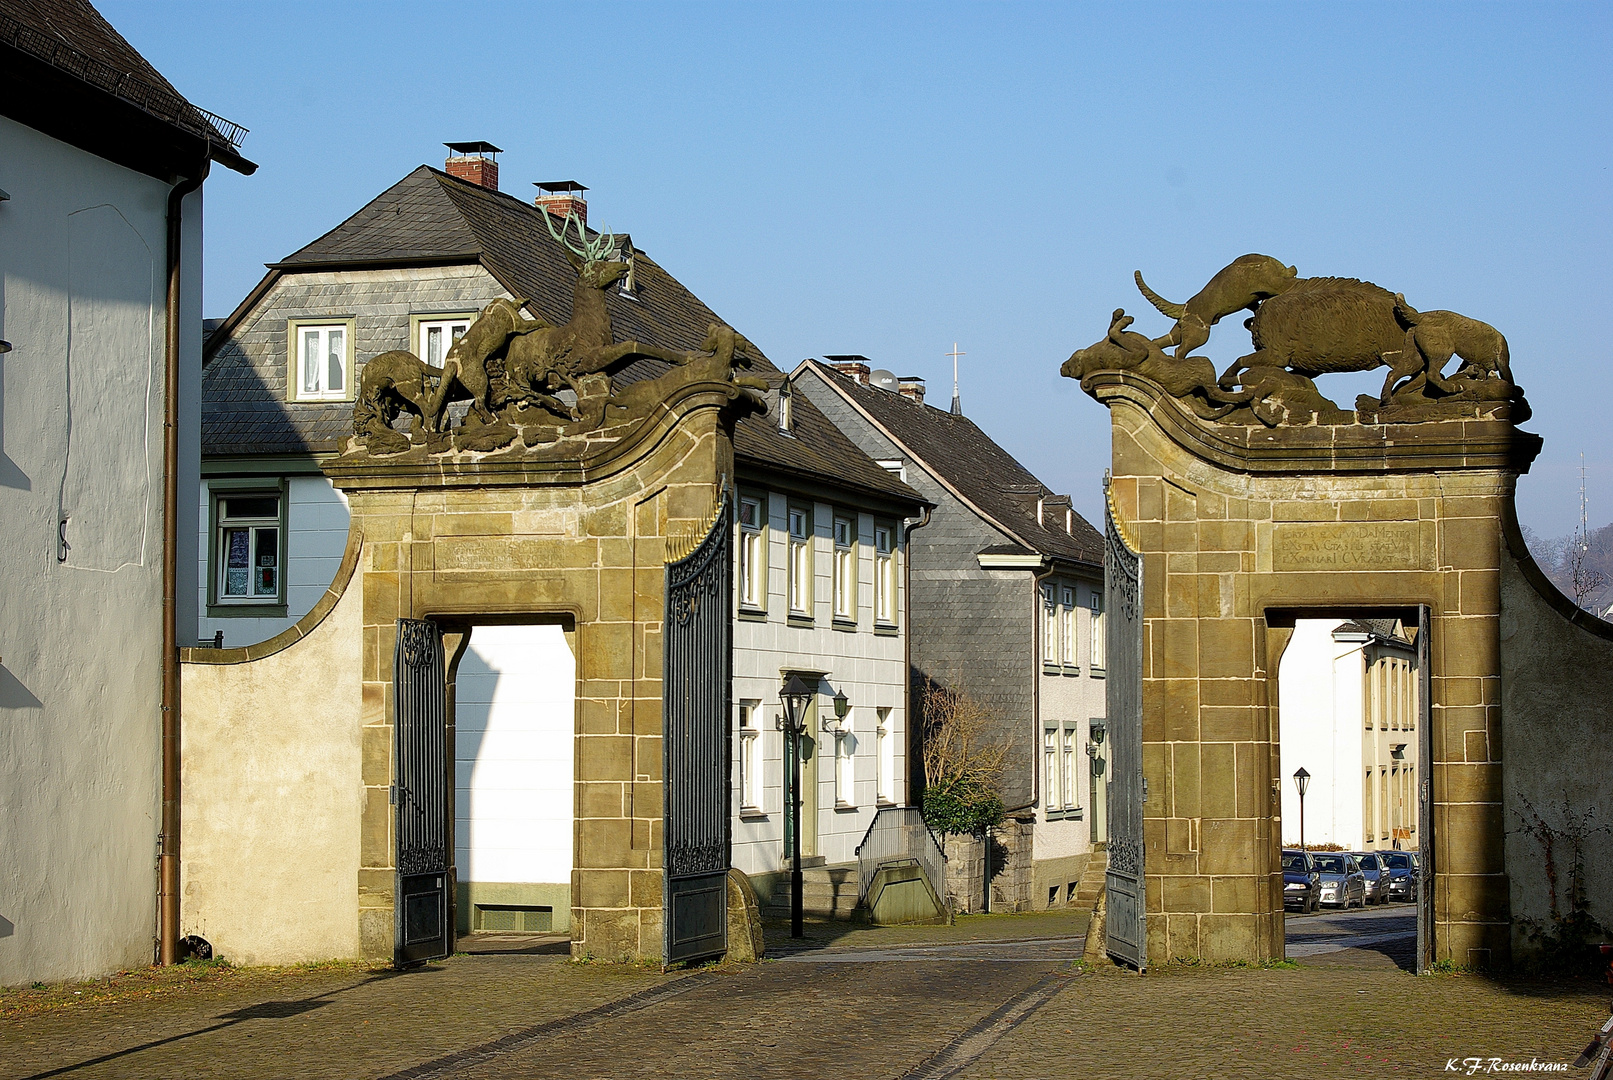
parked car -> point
(1402, 874)
(1302, 888)
(1343, 884)
(1376, 874)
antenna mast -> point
(957, 403)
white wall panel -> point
(515, 713)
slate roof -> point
(430, 218)
(985, 474)
(71, 41)
(1384, 628)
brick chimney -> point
(911, 387)
(562, 197)
(473, 162)
(852, 366)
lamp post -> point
(794, 695)
(1302, 780)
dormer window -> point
(786, 410)
(627, 285)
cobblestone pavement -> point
(990, 997)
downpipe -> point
(168, 839)
(915, 737)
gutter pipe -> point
(168, 839)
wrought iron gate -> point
(1425, 796)
(695, 749)
(1126, 919)
(420, 747)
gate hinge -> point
(392, 795)
(1145, 789)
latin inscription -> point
(1338, 545)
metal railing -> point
(159, 101)
(898, 834)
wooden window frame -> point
(295, 328)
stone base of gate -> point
(1237, 526)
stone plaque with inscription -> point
(1346, 545)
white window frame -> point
(1050, 625)
(297, 381)
(1069, 776)
(845, 568)
(799, 522)
(446, 325)
(1067, 639)
(753, 553)
(885, 575)
(750, 757)
(1096, 661)
(1050, 769)
(845, 764)
(885, 753)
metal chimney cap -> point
(473, 148)
(557, 186)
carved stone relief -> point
(517, 374)
(1302, 328)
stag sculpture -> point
(549, 359)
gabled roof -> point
(432, 219)
(978, 471)
(66, 72)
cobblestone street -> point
(993, 996)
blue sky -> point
(889, 178)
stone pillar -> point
(1240, 528)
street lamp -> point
(1302, 780)
(794, 695)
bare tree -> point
(962, 763)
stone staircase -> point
(1092, 878)
(827, 892)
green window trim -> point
(246, 608)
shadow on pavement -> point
(263, 1010)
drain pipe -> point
(168, 841)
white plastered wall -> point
(82, 288)
(1074, 693)
(1319, 684)
(515, 723)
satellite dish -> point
(883, 379)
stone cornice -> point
(1324, 448)
(569, 462)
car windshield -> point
(1398, 862)
(1368, 862)
(1330, 864)
(1294, 862)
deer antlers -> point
(600, 249)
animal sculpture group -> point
(1302, 328)
(512, 369)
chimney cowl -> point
(851, 365)
(561, 197)
(473, 162)
(912, 388)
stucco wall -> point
(274, 796)
(1557, 696)
(82, 290)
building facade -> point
(1350, 712)
(1006, 586)
(100, 246)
